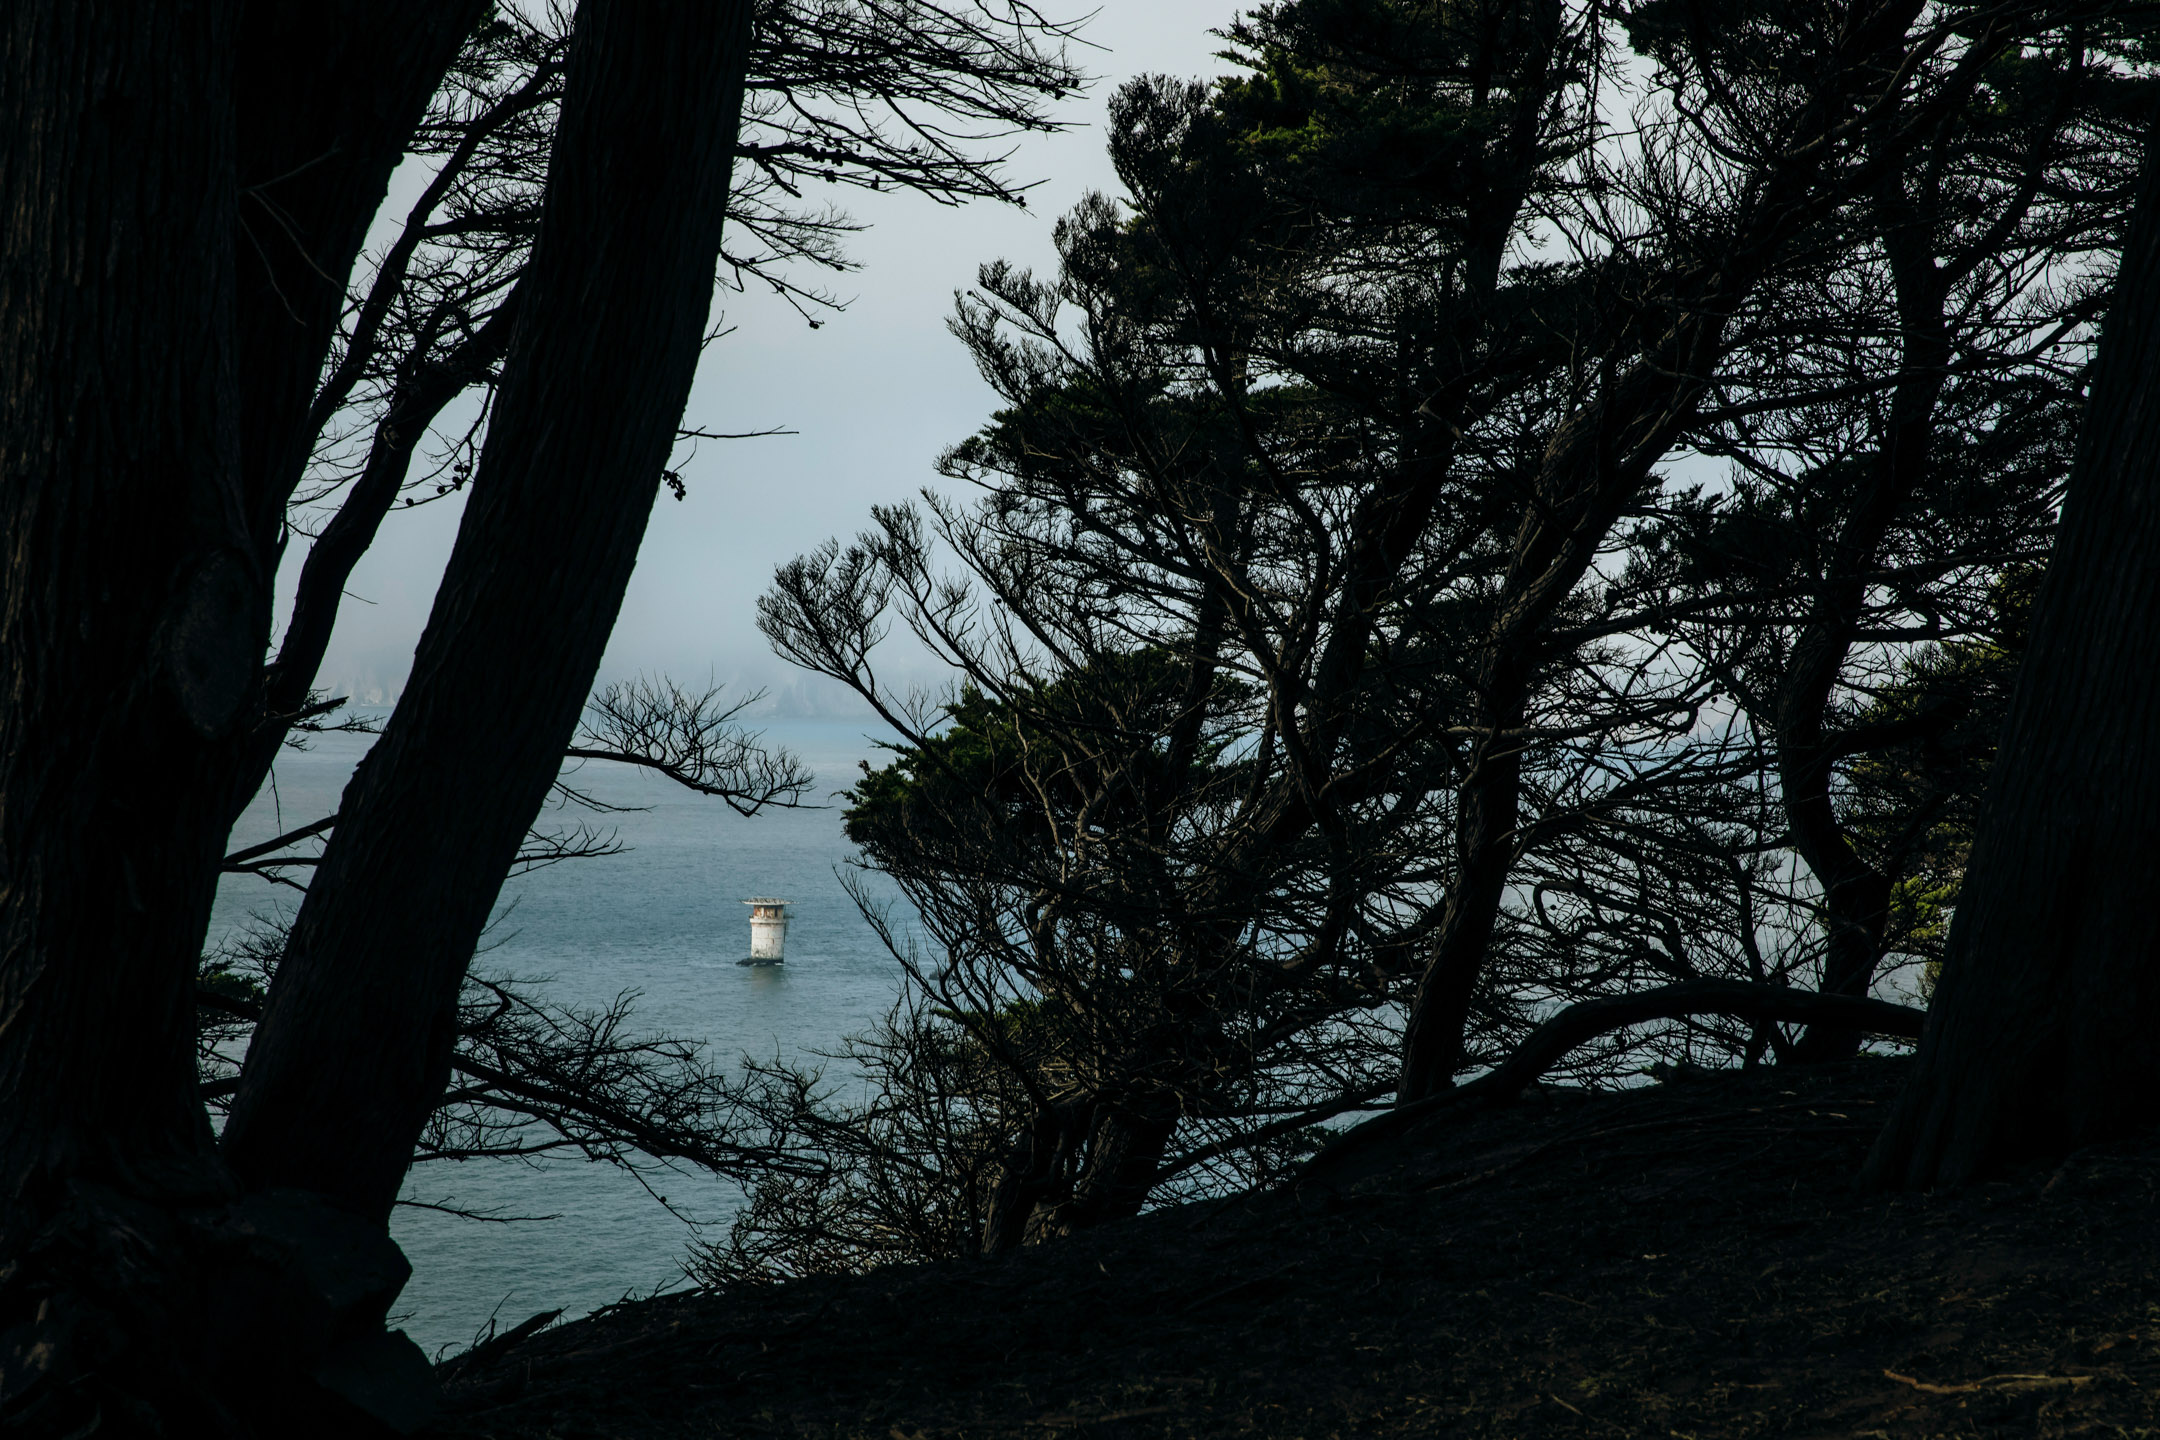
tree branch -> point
(1579, 1024)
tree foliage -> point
(1569, 478)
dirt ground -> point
(1689, 1260)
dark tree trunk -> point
(1027, 1178)
(1125, 1146)
(2041, 1034)
(327, 95)
(1489, 805)
(134, 611)
(419, 395)
(1594, 464)
(132, 620)
(354, 1046)
(1078, 1167)
(1856, 914)
(1856, 895)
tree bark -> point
(1489, 805)
(1042, 1193)
(129, 601)
(1027, 1178)
(132, 619)
(134, 613)
(354, 1047)
(2040, 1037)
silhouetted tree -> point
(156, 365)
(1858, 90)
(192, 185)
(1384, 505)
(2039, 1038)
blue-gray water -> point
(666, 919)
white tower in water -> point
(768, 930)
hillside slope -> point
(1685, 1260)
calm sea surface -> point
(664, 919)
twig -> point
(497, 1346)
(1993, 1382)
(1594, 1420)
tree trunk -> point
(1125, 1146)
(327, 96)
(132, 620)
(1856, 913)
(1596, 460)
(1490, 803)
(1028, 1178)
(2040, 1037)
(420, 394)
(1078, 1166)
(354, 1046)
(134, 612)
(1856, 895)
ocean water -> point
(665, 919)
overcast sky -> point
(874, 395)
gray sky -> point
(875, 394)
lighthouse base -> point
(761, 960)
